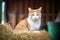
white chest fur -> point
(34, 26)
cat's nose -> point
(35, 18)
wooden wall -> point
(20, 8)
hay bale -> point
(5, 32)
(29, 35)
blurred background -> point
(16, 10)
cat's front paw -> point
(36, 31)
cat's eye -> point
(32, 14)
(37, 14)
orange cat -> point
(32, 22)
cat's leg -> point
(12, 19)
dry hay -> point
(6, 33)
(29, 35)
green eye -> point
(33, 14)
(37, 14)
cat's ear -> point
(40, 9)
(29, 9)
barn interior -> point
(19, 11)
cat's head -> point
(34, 14)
